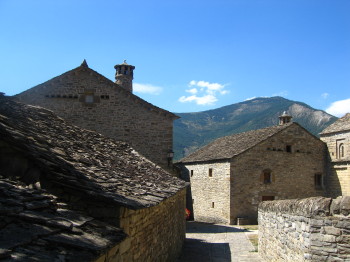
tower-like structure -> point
(124, 75)
(284, 118)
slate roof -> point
(229, 146)
(35, 226)
(342, 124)
(84, 161)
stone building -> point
(232, 175)
(337, 138)
(69, 194)
(89, 100)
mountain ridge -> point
(196, 129)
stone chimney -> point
(124, 75)
(284, 118)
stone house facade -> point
(337, 138)
(232, 175)
(73, 194)
(89, 100)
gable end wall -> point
(114, 112)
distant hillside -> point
(194, 130)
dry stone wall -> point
(311, 229)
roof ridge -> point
(228, 140)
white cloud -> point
(325, 95)
(203, 93)
(192, 91)
(147, 89)
(339, 108)
(203, 100)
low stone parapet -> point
(311, 229)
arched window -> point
(341, 150)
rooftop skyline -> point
(189, 55)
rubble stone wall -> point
(311, 229)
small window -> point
(289, 148)
(267, 198)
(212, 204)
(341, 150)
(318, 180)
(89, 99)
(191, 173)
(210, 172)
(267, 176)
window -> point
(212, 204)
(89, 99)
(289, 148)
(267, 198)
(191, 173)
(210, 172)
(341, 150)
(267, 177)
(318, 180)
(104, 96)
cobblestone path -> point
(216, 243)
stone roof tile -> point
(53, 232)
(83, 161)
(342, 124)
(230, 146)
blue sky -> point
(189, 55)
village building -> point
(89, 100)
(70, 194)
(337, 138)
(232, 175)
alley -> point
(217, 243)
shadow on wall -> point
(184, 175)
(199, 250)
(207, 228)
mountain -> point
(194, 130)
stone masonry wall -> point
(210, 194)
(292, 173)
(338, 182)
(312, 229)
(156, 233)
(113, 111)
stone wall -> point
(156, 233)
(292, 173)
(311, 229)
(338, 182)
(89, 100)
(210, 194)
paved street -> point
(216, 243)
